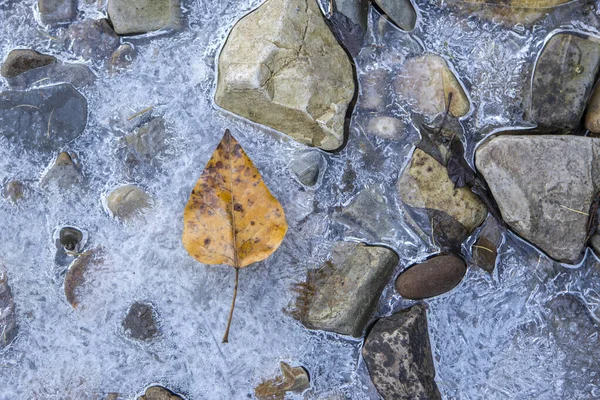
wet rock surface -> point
(140, 322)
(8, 319)
(430, 87)
(401, 12)
(127, 201)
(265, 73)
(342, 295)
(563, 81)
(22, 60)
(544, 186)
(132, 17)
(57, 11)
(430, 278)
(159, 393)
(398, 356)
(292, 379)
(45, 118)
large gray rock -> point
(45, 118)
(342, 295)
(398, 356)
(563, 80)
(132, 17)
(282, 67)
(8, 319)
(544, 186)
(23, 60)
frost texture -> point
(493, 336)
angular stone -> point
(45, 118)
(282, 67)
(485, 249)
(78, 75)
(425, 184)
(57, 11)
(544, 186)
(8, 318)
(293, 379)
(133, 17)
(430, 278)
(401, 12)
(398, 356)
(426, 83)
(342, 295)
(307, 167)
(127, 201)
(63, 174)
(140, 322)
(563, 80)
(23, 60)
(386, 127)
(92, 39)
(159, 393)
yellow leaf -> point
(231, 217)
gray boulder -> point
(282, 67)
(398, 356)
(342, 295)
(544, 186)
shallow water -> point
(493, 336)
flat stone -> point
(426, 83)
(57, 11)
(127, 201)
(401, 12)
(341, 296)
(78, 75)
(308, 167)
(430, 278)
(282, 67)
(544, 186)
(92, 39)
(398, 356)
(45, 118)
(425, 184)
(63, 174)
(389, 128)
(159, 393)
(563, 80)
(8, 317)
(133, 17)
(23, 60)
(140, 322)
(485, 249)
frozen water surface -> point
(494, 337)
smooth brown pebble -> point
(431, 278)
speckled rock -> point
(430, 278)
(386, 127)
(426, 83)
(485, 249)
(92, 39)
(127, 201)
(159, 393)
(23, 60)
(45, 118)
(398, 356)
(307, 167)
(132, 17)
(282, 67)
(342, 295)
(78, 75)
(401, 12)
(57, 11)
(63, 174)
(563, 80)
(425, 186)
(8, 318)
(544, 186)
(13, 191)
(140, 322)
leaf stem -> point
(235, 288)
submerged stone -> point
(22, 60)
(308, 167)
(485, 249)
(282, 67)
(401, 12)
(140, 322)
(63, 174)
(342, 295)
(45, 118)
(292, 379)
(159, 393)
(398, 356)
(133, 17)
(563, 80)
(70, 237)
(78, 75)
(13, 191)
(127, 201)
(92, 39)
(122, 58)
(57, 11)
(370, 212)
(390, 128)
(430, 278)
(544, 186)
(8, 318)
